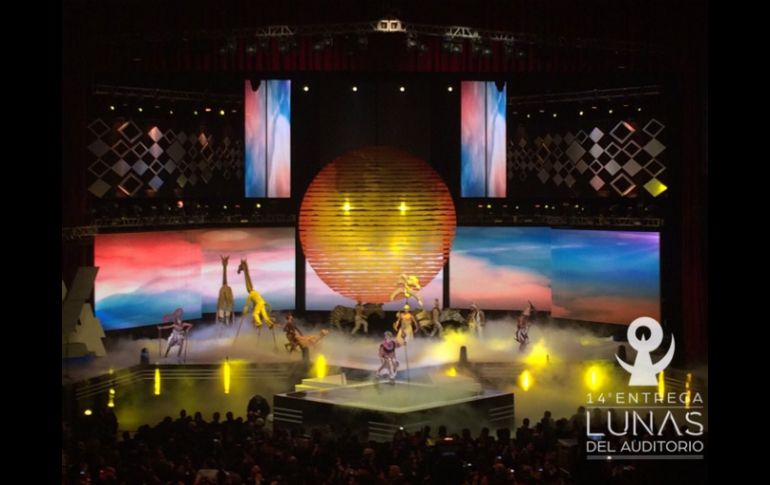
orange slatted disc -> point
(372, 215)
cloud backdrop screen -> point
(143, 276)
(606, 276)
(598, 276)
(267, 131)
(482, 139)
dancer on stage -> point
(405, 325)
(291, 331)
(476, 321)
(387, 354)
(178, 331)
(360, 319)
(522, 325)
(435, 319)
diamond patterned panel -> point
(628, 153)
(127, 157)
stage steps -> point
(318, 383)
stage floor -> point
(377, 410)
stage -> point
(377, 410)
(556, 364)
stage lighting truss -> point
(452, 33)
(133, 92)
(586, 97)
(252, 38)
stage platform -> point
(378, 409)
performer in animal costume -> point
(340, 314)
(254, 300)
(307, 341)
(178, 331)
(225, 298)
(408, 286)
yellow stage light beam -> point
(594, 377)
(156, 389)
(227, 376)
(320, 366)
(526, 380)
(539, 356)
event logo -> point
(643, 371)
(651, 423)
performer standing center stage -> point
(178, 332)
(388, 357)
(405, 325)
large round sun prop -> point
(372, 215)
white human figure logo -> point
(643, 371)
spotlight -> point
(639, 109)
(306, 88)
(140, 109)
(450, 88)
(355, 89)
(195, 112)
(609, 111)
(207, 110)
(402, 89)
(594, 107)
(554, 115)
(171, 111)
(112, 107)
(221, 112)
(179, 204)
(233, 110)
(87, 412)
(542, 111)
(259, 206)
(580, 112)
(528, 115)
